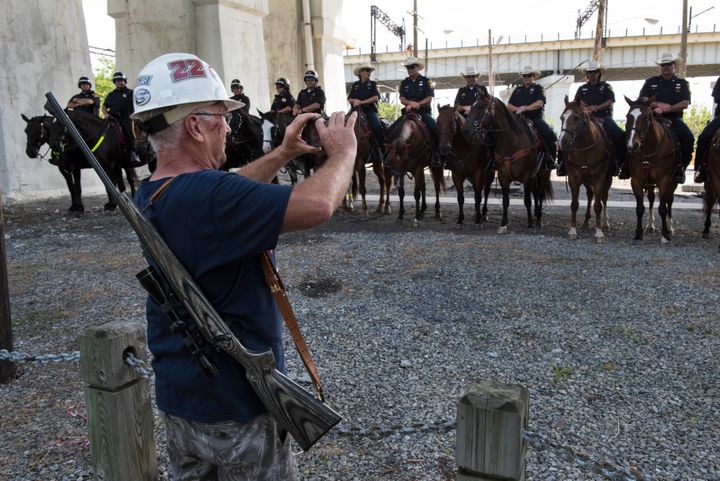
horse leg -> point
(388, 185)
(488, 186)
(505, 186)
(379, 173)
(437, 176)
(590, 194)
(574, 204)
(401, 196)
(528, 202)
(77, 190)
(363, 190)
(663, 210)
(69, 181)
(132, 178)
(419, 194)
(651, 216)
(458, 182)
(710, 199)
(639, 210)
(599, 236)
(671, 228)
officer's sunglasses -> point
(527, 75)
(411, 67)
(666, 64)
(593, 71)
(227, 116)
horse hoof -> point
(586, 225)
(650, 230)
(637, 240)
(705, 235)
(416, 223)
(599, 240)
(459, 225)
(664, 240)
(502, 229)
(572, 237)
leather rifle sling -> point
(272, 277)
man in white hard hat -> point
(219, 225)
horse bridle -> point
(643, 133)
(451, 135)
(584, 121)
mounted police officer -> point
(670, 96)
(466, 95)
(119, 105)
(87, 100)
(416, 94)
(598, 97)
(284, 101)
(237, 89)
(705, 138)
(528, 99)
(312, 98)
(364, 95)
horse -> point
(712, 185)
(363, 134)
(408, 153)
(653, 156)
(107, 143)
(465, 161)
(588, 163)
(244, 141)
(516, 151)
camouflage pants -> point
(228, 451)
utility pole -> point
(7, 368)
(415, 16)
(600, 31)
(491, 74)
(683, 41)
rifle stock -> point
(297, 411)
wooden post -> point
(682, 67)
(490, 420)
(7, 368)
(120, 417)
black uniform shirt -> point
(119, 103)
(466, 95)
(283, 100)
(93, 109)
(596, 94)
(417, 90)
(523, 96)
(363, 91)
(716, 97)
(244, 99)
(308, 96)
(669, 91)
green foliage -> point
(103, 84)
(562, 374)
(697, 119)
(389, 111)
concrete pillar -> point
(284, 45)
(329, 39)
(43, 48)
(556, 88)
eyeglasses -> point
(227, 115)
(666, 64)
(527, 75)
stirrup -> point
(700, 176)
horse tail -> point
(542, 182)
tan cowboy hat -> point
(365, 66)
(667, 57)
(593, 65)
(469, 72)
(413, 61)
(528, 70)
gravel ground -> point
(618, 343)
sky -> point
(454, 20)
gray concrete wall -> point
(43, 48)
(284, 46)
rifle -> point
(297, 411)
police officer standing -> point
(706, 136)
(364, 95)
(119, 105)
(466, 95)
(671, 96)
(529, 100)
(237, 89)
(598, 97)
(416, 94)
(312, 98)
(284, 101)
(87, 100)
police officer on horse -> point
(284, 101)
(705, 138)
(528, 99)
(119, 106)
(87, 100)
(416, 94)
(466, 95)
(597, 97)
(364, 95)
(237, 89)
(670, 96)
(312, 98)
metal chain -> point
(138, 365)
(18, 356)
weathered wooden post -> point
(120, 417)
(7, 368)
(490, 420)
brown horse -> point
(465, 161)
(588, 164)
(652, 158)
(516, 152)
(712, 185)
(363, 134)
(408, 153)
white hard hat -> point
(180, 82)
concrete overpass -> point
(626, 58)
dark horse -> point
(712, 185)
(244, 141)
(652, 158)
(273, 129)
(107, 143)
(516, 152)
(465, 161)
(588, 164)
(408, 153)
(363, 134)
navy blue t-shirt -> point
(218, 224)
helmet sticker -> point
(186, 69)
(144, 79)
(142, 96)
